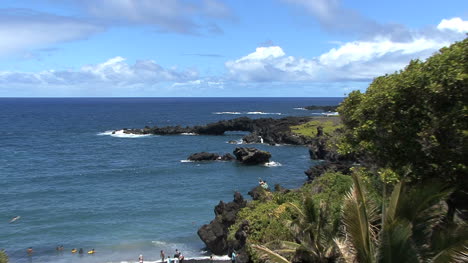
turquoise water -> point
(75, 185)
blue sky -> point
(214, 48)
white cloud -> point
(23, 29)
(454, 24)
(114, 71)
(352, 61)
(365, 51)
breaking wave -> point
(121, 134)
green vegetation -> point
(409, 133)
(306, 219)
(404, 232)
(309, 129)
(3, 257)
(416, 117)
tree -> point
(416, 118)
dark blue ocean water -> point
(75, 185)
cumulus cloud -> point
(271, 64)
(113, 72)
(24, 29)
(353, 61)
(454, 24)
(166, 15)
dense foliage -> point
(284, 216)
(414, 119)
(411, 229)
(409, 134)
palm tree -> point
(313, 240)
(410, 230)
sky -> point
(215, 48)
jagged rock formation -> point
(239, 243)
(251, 156)
(319, 149)
(214, 234)
(205, 156)
(258, 193)
(264, 130)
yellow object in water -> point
(91, 252)
(74, 250)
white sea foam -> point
(247, 113)
(186, 161)
(121, 134)
(330, 113)
(159, 243)
(240, 141)
(106, 133)
(272, 164)
(228, 112)
(188, 133)
(262, 113)
(300, 108)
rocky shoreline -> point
(265, 130)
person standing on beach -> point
(233, 257)
(140, 259)
(162, 255)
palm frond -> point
(425, 208)
(394, 202)
(347, 253)
(358, 215)
(396, 244)
(283, 244)
(273, 256)
(451, 244)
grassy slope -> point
(309, 129)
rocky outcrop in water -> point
(214, 234)
(205, 156)
(264, 130)
(251, 156)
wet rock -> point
(203, 156)
(228, 157)
(251, 156)
(214, 234)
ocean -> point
(74, 183)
